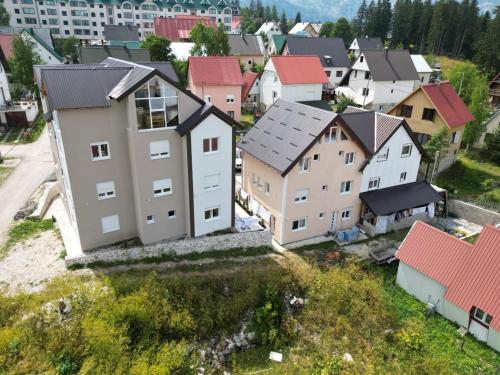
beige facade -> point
(324, 204)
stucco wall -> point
(473, 213)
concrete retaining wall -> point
(50, 192)
(473, 213)
(180, 247)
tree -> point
(491, 149)
(69, 48)
(437, 142)
(24, 56)
(487, 48)
(343, 30)
(298, 18)
(180, 67)
(4, 16)
(267, 13)
(210, 42)
(274, 14)
(159, 47)
(359, 22)
(344, 102)
(283, 23)
(327, 29)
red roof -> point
(448, 104)
(215, 70)
(6, 44)
(299, 69)
(471, 272)
(248, 81)
(180, 27)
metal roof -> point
(180, 27)
(215, 70)
(95, 54)
(121, 32)
(420, 64)
(390, 65)
(284, 133)
(321, 47)
(299, 69)
(370, 43)
(246, 45)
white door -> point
(479, 331)
(333, 225)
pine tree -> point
(298, 18)
(359, 22)
(487, 51)
(425, 23)
(370, 19)
(283, 23)
(342, 29)
(252, 6)
(267, 13)
(274, 14)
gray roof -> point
(246, 45)
(164, 67)
(285, 133)
(321, 47)
(370, 43)
(121, 32)
(391, 65)
(320, 104)
(95, 54)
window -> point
(406, 150)
(383, 154)
(361, 59)
(405, 110)
(482, 316)
(299, 224)
(30, 21)
(365, 92)
(212, 214)
(159, 149)
(374, 183)
(110, 224)
(208, 99)
(267, 187)
(304, 164)
(105, 190)
(346, 187)
(171, 214)
(230, 114)
(76, 4)
(367, 75)
(162, 187)
(321, 215)
(346, 213)
(402, 177)
(301, 196)
(211, 182)
(52, 12)
(100, 151)
(338, 74)
(331, 135)
(210, 145)
(349, 158)
(454, 137)
(156, 105)
(343, 137)
(150, 219)
(275, 95)
(328, 73)
(28, 10)
(275, 78)
(316, 157)
(79, 13)
(355, 74)
(324, 188)
(428, 114)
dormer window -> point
(156, 105)
(328, 60)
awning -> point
(350, 93)
(389, 200)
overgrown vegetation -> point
(24, 230)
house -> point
(269, 29)
(380, 79)
(218, 81)
(359, 45)
(285, 156)
(431, 108)
(495, 91)
(275, 45)
(250, 92)
(293, 78)
(4, 81)
(312, 29)
(178, 29)
(492, 124)
(43, 44)
(137, 155)
(93, 54)
(331, 52)
(124, 33)
(457, 279)
(423, 69)
(249, 49)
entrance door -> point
(333, 224)
(479, 331)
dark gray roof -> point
(321, 47)
(200, 114)
(391, 65)
(320, 104)
(246, 45)
(164, 67)
(370, 43)
(389, 200)
(95, 54)
(285, 133)
(121, 32)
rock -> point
(203, 354)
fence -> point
(473, 213)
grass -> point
(247, 118)
(447, 63)
(472, 178)
(23, 231)
(36, 131)
(4, 173)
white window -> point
(212, 214)
(383, 154)
(402, 177)
(105, 190)
(331, 134)
(208, 99)
(406, 150)
(346, 187)
(482, 316)
(299, 224)
(229, 98)
(110, 224)
(346, 213)
(374, 183)
(162, 187)
(324, 188)
(159, 149)
(100, 151)
(301, 196)
(150, 219)
(171, 214)
(304, 164)
(211, 182)
(267, 187)
(454, 137)
(349, 158)
(210, 145)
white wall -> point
(388, 93)
(268, 85)
(46, 56)
(334, 80)
(208, 164)
(390, 170)
(4, 85)
(494, 339)
(420, 286)
(298, 93)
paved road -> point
(35, 166)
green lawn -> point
(472, 178)
(23, 230)
(14, 135)
(247, 119)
